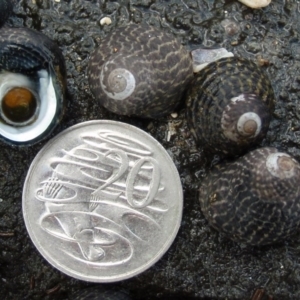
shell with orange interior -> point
(32, 85)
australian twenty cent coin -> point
(102, 201)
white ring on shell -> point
(45, 113)
(123, 75)
(249, 116)
(273, 168)
(232, 128)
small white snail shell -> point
(255, 3)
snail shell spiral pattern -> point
(139, 71)
(229, 106)
(32, 85)
(255, 199)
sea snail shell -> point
(229, 105)
(140, 71)
(255, 199)
(32, 75)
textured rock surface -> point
(201, 264)
(6, 7)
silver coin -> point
(102, 201)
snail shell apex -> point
(139, 70)
(229, 105)
(32, 85)
(255, 199)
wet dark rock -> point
(6, 8)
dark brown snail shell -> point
(32, 85)
(139, 70)
(255, 199)
(229, 105)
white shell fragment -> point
(255, 3)
(105, 21)
(202, 57)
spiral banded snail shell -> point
(255, 199)
(139, 70)
(32, 85)
(229, 105)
